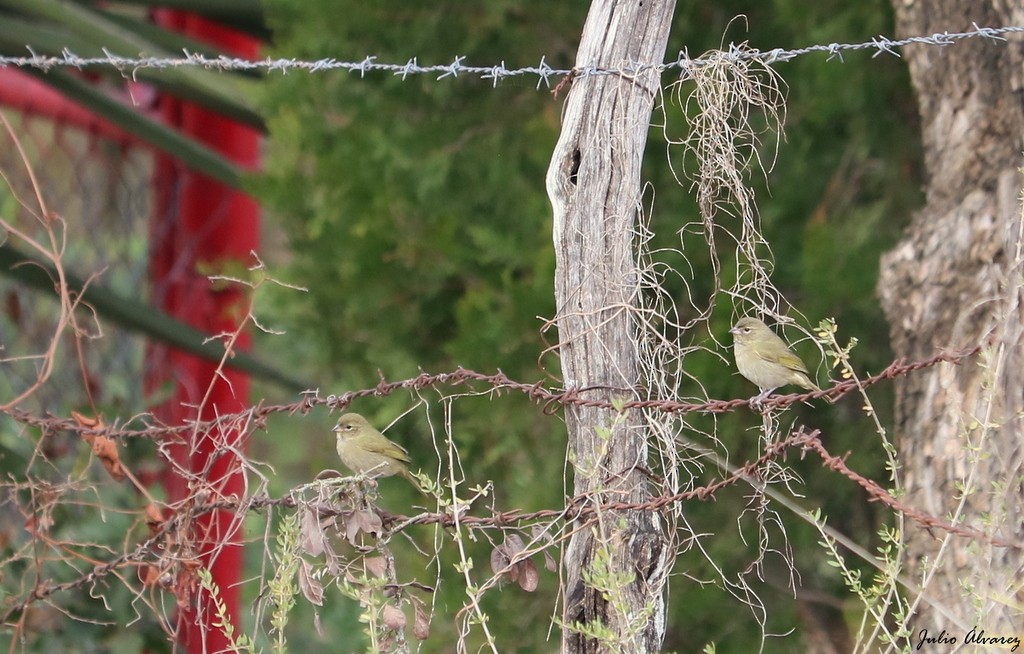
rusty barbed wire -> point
(169, 543)
(150, 550)
(498, 382)
(879, 494)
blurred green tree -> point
(418, 220)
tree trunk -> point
(955, 281)
(615, 568)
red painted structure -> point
(200, 225)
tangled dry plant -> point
(50, 245)
(332, 534)
(731, 106)
(324, 514)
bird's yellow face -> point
(350, 426)
(748, 330)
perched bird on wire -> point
(366, 451)
(765, 359)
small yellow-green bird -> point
(765, 359)
(366, 451)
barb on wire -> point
(879, 494)
(256, 416)
(576, 509)
(126, 64)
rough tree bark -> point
(614, 570)
(955, 280)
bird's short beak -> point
(734, 330)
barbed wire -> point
(880, 45)
(498, 382)
(164, 542)
(152, 553)
(580, 508)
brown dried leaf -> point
(185, 583)
(154, 518)
(311, 535)
(334, 564)
(328, 522)
(392, 617)
(363, 521)
(549, 562)
(85, 421)
(529, 578)
(420, 622)
(499, 559)
(311, 588)
(514, 544)
(352, 530)
(370, 523)
(540, 533)
(105, 449)
(328, 474)
(376, 566)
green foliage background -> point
(417, 218)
